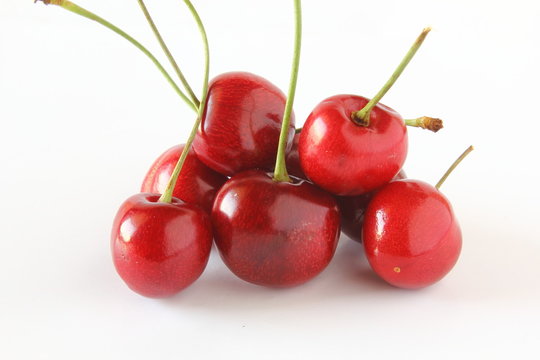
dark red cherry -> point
(411, 236)
(352, 209)
(273, 233)
(293, 160)
(241, 124)
(160, 248)
(197, 183)
(345, 158)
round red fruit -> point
(160, 248)
(241, 124)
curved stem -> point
(280, 172)
(68, 5)
(202, 31)
(456, 163)
(167, 194)
(361, 117)
(425, 122)
(167, 52)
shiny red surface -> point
(241, 124)
(274, 233)
(411, 236)
(197, 183)
(345, 158)
(159, 249)
(352, 209)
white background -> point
(83, 114)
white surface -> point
(83, 114)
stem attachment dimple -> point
(68, 5)
(361, 117)
(453, 166)
(426, 122)
(167, 194)
(280, 171)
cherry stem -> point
(361, 117)
(167, 194)
(454, 165)
(68, 5)
(167, 52)
(280, 171)
(426, 122)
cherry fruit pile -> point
(274, 198)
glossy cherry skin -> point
(411, 236)
(349, 159)
(241, 124)
(197, 183)
(158, 248)
(352, 209)
(274, 234)
(293, 160)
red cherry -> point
(352, 209)
(293, 159)
(348, 159)
(273, 233)
(411, 236)
(350, 145)
(160, 248)
(241, 124)
(197, 183)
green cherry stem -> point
(361, 117)
(454, 165)
(167, 52)
(425, 122)
(280, 172)
(68, 5)
(167, 194)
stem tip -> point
(426, 122)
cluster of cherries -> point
(229, 184)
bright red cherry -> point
(197, 184)
(160, 248)
(350, 145)
(352, 209)
(345, 158)
(241, 124)
(411, 236)
(273, 233)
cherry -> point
(411, 236)
(274, 233)
(353, 208)
(347, 151)
(276, 230)
(160, 248)
(241, 124)
(346, 159)
(197, 184)
(160, 245)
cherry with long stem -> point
(70, 6)
(280, 172)
(361, 117)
